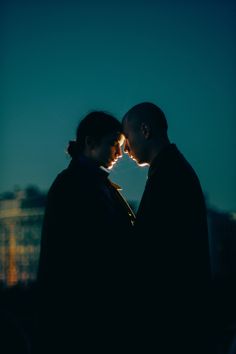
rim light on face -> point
(121, 140)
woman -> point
(85, 245)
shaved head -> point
(149, 113)
(145, 128)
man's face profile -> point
(134, 142)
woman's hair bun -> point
(72, 148)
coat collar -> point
(92, 169)
(88, 166)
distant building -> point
(21, 215)
(222, 239)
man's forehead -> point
(130, 124)
(125, 124)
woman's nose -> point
(119, 151)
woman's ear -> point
(89, 142)
(146, 131)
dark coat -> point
(85, 241)
(173, 253)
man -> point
(84, 246)
(171, 238)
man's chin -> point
(142, 164)
(138, 162)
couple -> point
(111, 282)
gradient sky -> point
(61, 59)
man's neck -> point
(156, 149)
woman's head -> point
(99, 137)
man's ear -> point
(146, 131)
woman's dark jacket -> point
(84, 252)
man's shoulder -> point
(173, 157)
(175, 162)
(174, 169)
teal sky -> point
(61, 59)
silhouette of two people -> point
(84, 248)
(126, 284)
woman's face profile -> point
(109, 149)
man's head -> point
(145, 128)
(99, 137)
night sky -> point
(62, 59)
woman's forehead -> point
(116, 137)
